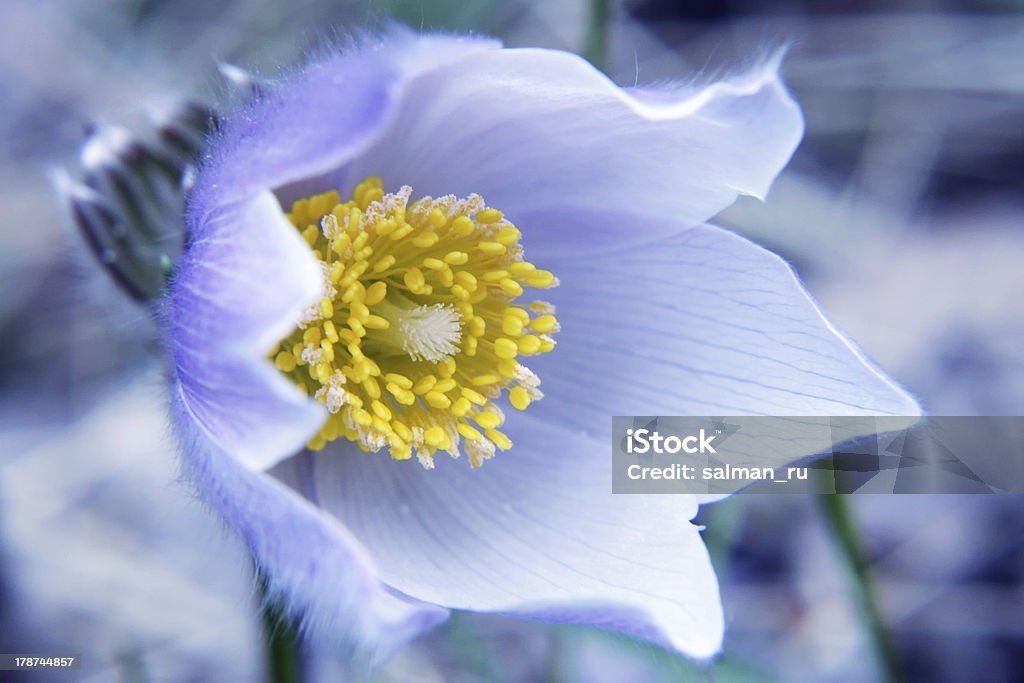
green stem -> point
(555, 656)
(280, 638)
(842, 526)
(595, 46)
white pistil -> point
(430, 332)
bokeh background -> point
(902, 210)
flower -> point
(606, 188)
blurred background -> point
(902, 211)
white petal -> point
(535, 532)
(565, 153)
(702, 323)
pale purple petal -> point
(536, 533)
(702, 323)
(577, 162)
(313, 564)
(318, 119)
(239, 290)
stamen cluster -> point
(418, 331)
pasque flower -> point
(422, 248)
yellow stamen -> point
(418, 331)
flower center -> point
(419, 329)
